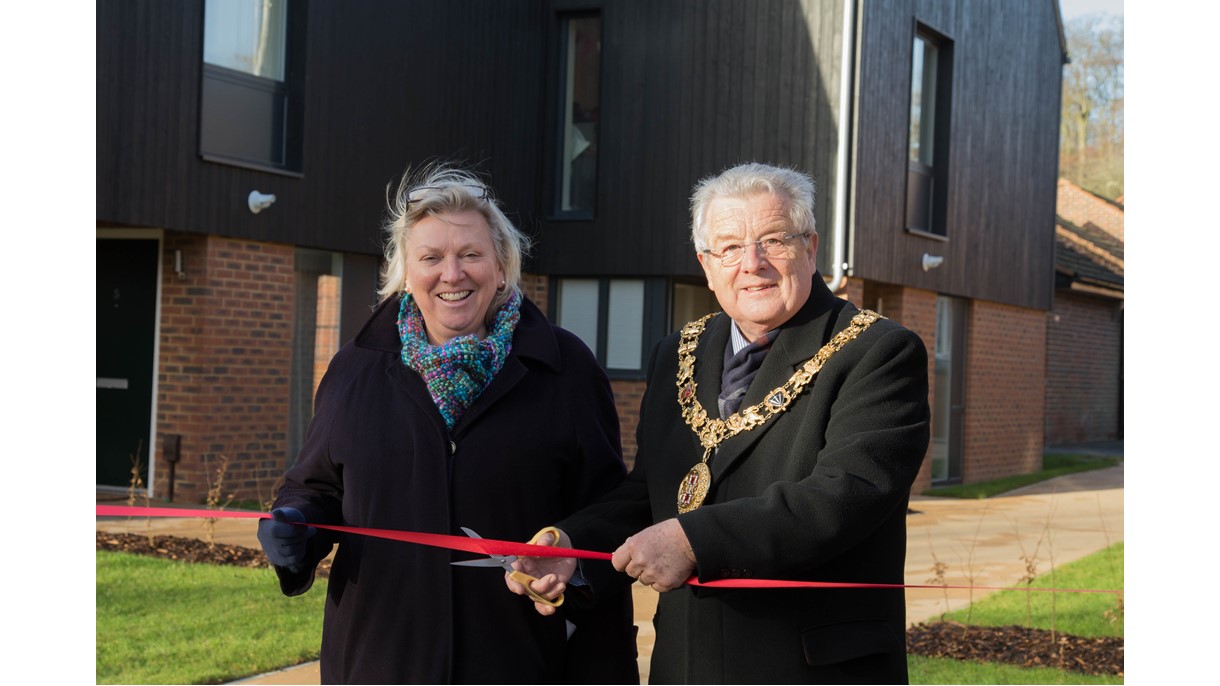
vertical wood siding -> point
(387, 84)
(1003, 165)
(688, 88)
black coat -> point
(818, 493)
(539, 443)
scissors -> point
(506, 561)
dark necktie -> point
(739, 370)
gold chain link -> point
(712, 432)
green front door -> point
(126, 326)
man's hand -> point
(552, 572)
(659, 556)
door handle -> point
(116, 384)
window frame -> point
(288, 95)
(653, 324)
(936, 226)
(557, 140)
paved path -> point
(982, 543)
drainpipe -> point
(838, 276)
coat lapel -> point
(709, 365)
(509, 376)
(533, 340)
(799, 339)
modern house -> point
(1084, 338)
(244, 149)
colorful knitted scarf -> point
(457, 372)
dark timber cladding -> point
(1003, 156)
(387, 84)
(689, 88)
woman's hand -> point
(285, 543)
(551, 573)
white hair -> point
(745, 180)
(439, 189)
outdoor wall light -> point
(931, 261)
(259, 201)
(178, 269)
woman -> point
(457, 405)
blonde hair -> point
(745, 180)
(439, 188)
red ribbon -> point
(486, 546)
(491, 546)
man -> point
(807, 478)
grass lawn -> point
(177, 623)
(1080, 614)
(166, 622)
(1052, 465)
(941, 670)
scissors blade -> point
(505, 561)
(485, 562)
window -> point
(927, 159)
(948, 390)
(579, 111)
(318, 280)
(578, 308)
(619, 319)
(250, 105)
(691, 301)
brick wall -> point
(1005, 391)
(536, 287)
(627, 397)
(1081, 207)
(223, 372)
(916, 310)
(1083, 362)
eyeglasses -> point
(772, 246)
(477, 192)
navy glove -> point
(284, 543)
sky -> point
(1075, 8)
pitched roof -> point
(1088, 255)
(1082, 207)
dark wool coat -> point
(541, 442)
(818, 493)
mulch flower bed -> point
(190, 550)
(1015, 645)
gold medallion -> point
(693, 488)
(712, 432)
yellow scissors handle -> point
(547, 530)
(525, 579)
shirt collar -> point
(737, 339)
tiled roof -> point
(1097, 236)
(1088, 254)
(1082, 207)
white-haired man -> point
(777, 440)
